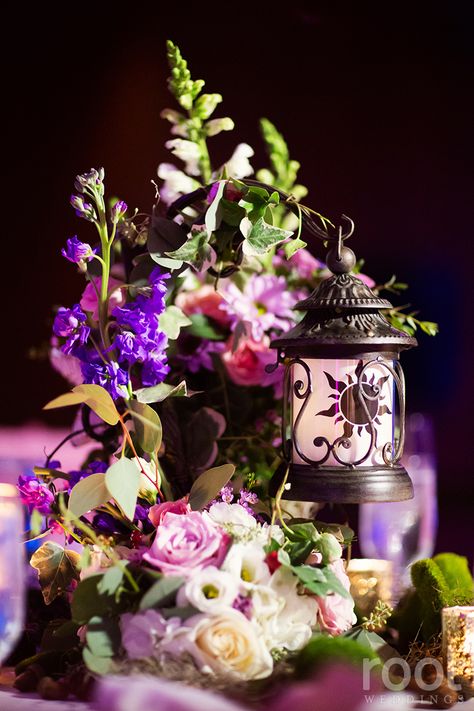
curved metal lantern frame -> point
(303, 391)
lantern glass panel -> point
(351, 401)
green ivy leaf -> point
(56, 567)
(161, 593)
(88, 494)
(293, 246)
(95, 396)
(158, 393)
(147, 426)
(208, 484)
(262, 237)
(232, 213)
(172, 321)
(213, 216)
(123, 481)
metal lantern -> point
(343, 387)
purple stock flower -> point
(244, 605)
(77, 251)
(83, 209)
(93, 181)
(95, 467)
(109, 375)
(118, 211)
(155, 369)
(34, 494)
(247, 498)
(131, 348)
(70, 324)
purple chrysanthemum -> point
(70, 324)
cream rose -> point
(227, 644)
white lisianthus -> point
(209, 590)
(176, 183)
(238, 166)
(227, 643)
(187, 151)
(233, 517)
(246, 562)
(151, 474)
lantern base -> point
(344, 485)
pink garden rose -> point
(158, 511)
(117, 296)
(336, 613)
(246, 365)
(205, 300)
(184, 544)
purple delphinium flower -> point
(34, 494)
(70, 324)
(109, 375)
(118, 210)
(83, 209)
(265, 303)
(77, 251)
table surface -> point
(12, 700)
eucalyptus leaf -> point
(88, 601)
(147, 426)
(262, 237)
(111, 580)
(95, 396)
(57, 568)
(158, 393)
(162, 592)
(172, 321)
(97, 665)
(208, 484)
(123, 481)
(103, 636)
(88, 494)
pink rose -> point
(205, 300)
(336, 613)
(246, 365)
(184, 544)
(304, 262)
(368, 281)
(158, 511)
(89, 297)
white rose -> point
(224, 644)
(246, 562)
(209, 590)
(292, 627)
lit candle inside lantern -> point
(335, 411)
(371, 580)
(458, 647)
(12, 568)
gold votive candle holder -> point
(458, 647)
(371, 580)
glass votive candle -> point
(12, 568)
(371, 580)
(458, 647)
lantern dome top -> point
(343, 311)
(345, 291)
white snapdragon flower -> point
(187, 151)
(209, 590)
(238, 166)
(226, 643)
(176, 183)
(151, 473)
(246, 562)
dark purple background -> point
(375, 100)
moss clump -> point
(322, 650)
(455, 569)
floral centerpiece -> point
(164, 546)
